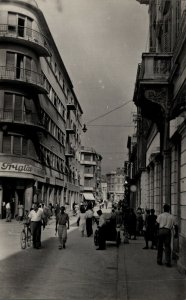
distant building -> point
(90, 174)
(104, 190)
(115, 184)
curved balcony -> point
(23, 78)
(25, 36)
(152, 84)
(19, 117)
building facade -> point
(40, 116)
(115, 185)
(160, 97)
(90, 174)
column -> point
(62, 197)
(151, 202)
(157, 187)
(166, 165)
(29, 196)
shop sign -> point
(15, 167)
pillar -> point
(28, 197)
(166, 165)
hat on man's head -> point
(62, 208)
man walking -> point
(62, 221)
(166, 222)
(101, 228)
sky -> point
(101, 42)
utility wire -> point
(105, 114)
(101, 125)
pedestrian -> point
(20, 211)
(101, 231)
(62, 224)
(145, 227)
(36, 216)
(132, 224)
(81, 221)
(89, 216)
(166, 222)
(8, 212)
(139, 222)
(151, 229)
(57, 209)
(106, 203)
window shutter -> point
(18, 108)
(17, 145)
(24, 146)
(7, 144)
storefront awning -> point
(89, 196)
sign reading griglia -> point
(15, 167)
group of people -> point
(155, 229)
(85, 220)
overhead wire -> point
(105, 114)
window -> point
(10, 59)
(12, 22)
(6, 144)
(8, 102)
(21, 26)
(17, 145)
(18, 108)
(24, 146)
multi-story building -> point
(90, 174)
(40, 116)
(160, 97)
(115, 184)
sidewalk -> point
(140, 278)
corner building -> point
(40, 116)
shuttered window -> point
(12, 22)
(7, 144)
(8, 102)
(24, 146)
(17, 145)
(32, 151)
(18, 108)
(10, 59)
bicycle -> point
(26, 236)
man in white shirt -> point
(166, 223)
(36, 216)
(8, 212)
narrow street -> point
(81, 272)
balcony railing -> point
(155, 66)
(33, 38)
(23, 76)
(21, 116)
